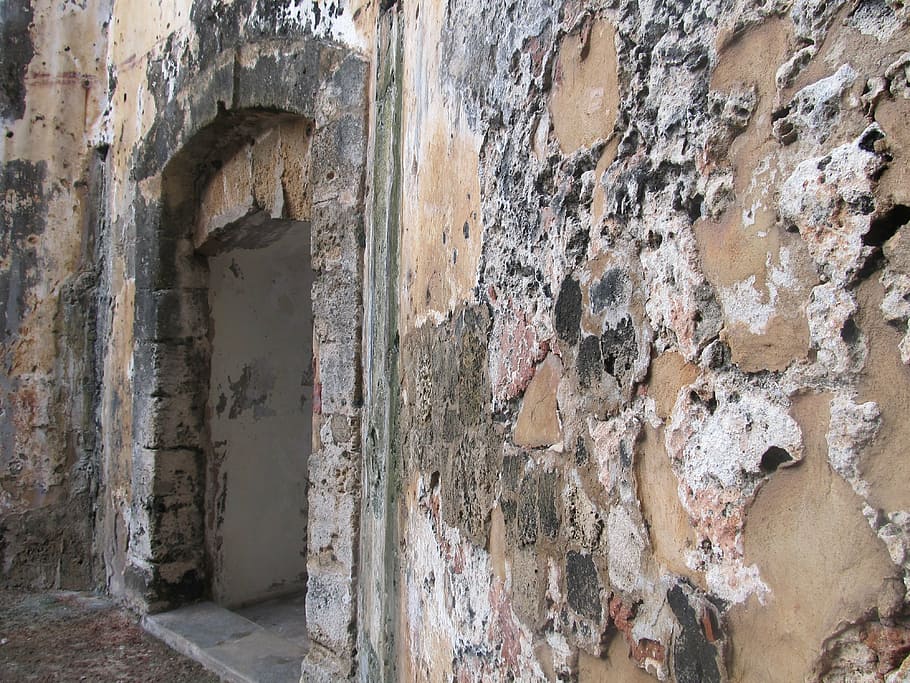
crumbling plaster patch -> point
(804, 605)
(732, 254)
(704, 266)
(829, 200)
(460, 622)
(719, 440)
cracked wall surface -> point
(634, 343)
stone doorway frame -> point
(243, 91)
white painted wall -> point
(260, 407)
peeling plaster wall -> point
(649, 418)
(53, 85)
(107, 113)
(635, 333)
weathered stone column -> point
(337, 162)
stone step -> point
(232, 646)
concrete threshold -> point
(263, 643)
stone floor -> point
(263, 643)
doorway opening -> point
(252, 230)
(253, 226)
(246, 368)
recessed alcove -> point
(260, 418)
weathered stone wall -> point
(53, 87)
(652, 357)
(229, 74)
(631, 349)
(105, 305)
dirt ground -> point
(67, 636)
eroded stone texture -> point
(634, 360)
(53, 289)
(696, 264)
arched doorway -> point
(191, 258)
(253, 225)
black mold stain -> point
(694, 658)
(619, 349)
(583, 585)
(581, 451)
(546, 503)
(527, 510)
(589, 361)
(23, 220)
(568, 310)
(609, 291)
(17, 52)
(221, 405)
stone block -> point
(568, 310)
(333, 469)
(331, 520)
(583, 585)
(322, 666)
(177, 472)
(168, 422)
(284, 76)
(178, 531)
(538, 421)
(337, 239)
(694, 655)
(336, 159)
(344, 89)
(527, 510)
(339, 376)
(171, 370)
(330, 609)
(546, 503)
(527, 586)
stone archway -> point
(174, 551)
